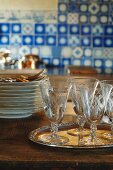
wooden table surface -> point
(17, 152)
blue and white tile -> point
(39, 28)
(27, 28)
(87, 62)
(86, 41)
(108, 52)
(66, 52)
(4, 40)
(62, 40)
(108, 71)
(45, 52)
(104, 8)
(74, 29)
(98, 52)
(51, 29)
(47, 60)
(74, 40)
(98, 29)
(15, 51)
(66, 61)
(50, 17)
(109, 30)
(16, 28)
(62, 18)
(62, 7)
(87, 52)
(93, 8)
(35, 50)
(16, 39)
(27, 40)
(51, 40)
(83, 8)
(93, 19)
(97, 41)
(4, 28)
(38, 17)
(98, 63)
(86, 29)
(103, 19)
(72, 18)
(76, 62)
(77, 52)
(56, 61)
(108, 63)
(39, 40)
(23, 50)
(62, 28)
(83, 18)
(108, 42)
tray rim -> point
(76, 147)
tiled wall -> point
(79, 33)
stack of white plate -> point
(19, 99)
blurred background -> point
(60, 33)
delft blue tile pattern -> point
(79, 33)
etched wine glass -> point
(55, 93)
(109, 109)
(94, 100)
(75, 94)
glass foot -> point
(76, 132)
(57, 140)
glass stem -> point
(80, 135)
(93, 129)
(112, 127)
(54, 129)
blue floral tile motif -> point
(45, 52)
(27, 28)
(87, 61)
(74, 29)
(4, 39)
(56, 61)
(104, 8)
(66, 52)
(74, 40)
(76, 62)
(103, 19)
(62, 29)
(16, 39)
(66, 61)
(98, 29)
(39, 28)
(51, 29)
(56, 52)
(97, 41)
(16, 28)
(83, 8)
(62, 41)
(24, 50)
(4, 28)
(87, 52)
(77, 52)
(86, 29)
(39, 40)
(108, 63)
(62, 18)
(51, 40)
(108, 42)
(93, 8)
(62, 7)
(86, 41)
(83, 18)
(27, 39)
(109, 30)
(98, 63)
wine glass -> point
(94, 100)
(75, 94)
(55, 93)
(109, 109)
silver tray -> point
(37, 135)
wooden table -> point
(17, 152)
